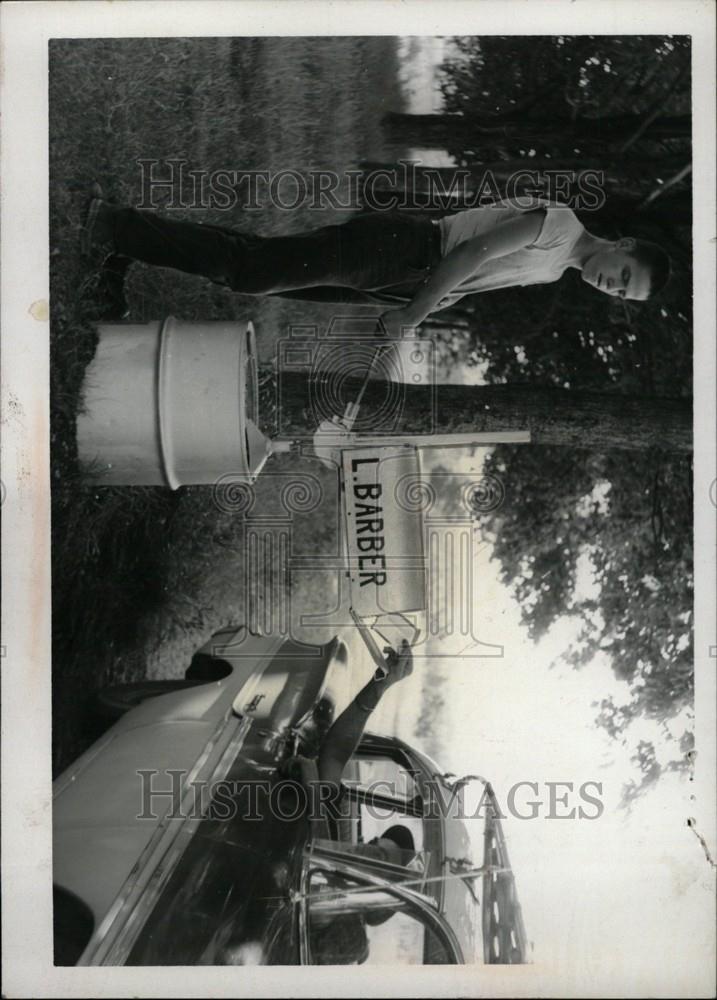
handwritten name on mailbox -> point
(384, 533)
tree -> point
(622, 520)
(621, 105)
(562, 417)
(571, 514)
(445, 131)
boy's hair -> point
(401, 836)
(656, 260)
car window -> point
(384, 795)
(377, 821)
(387, 776)
(352, 922)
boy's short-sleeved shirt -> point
(543, 261)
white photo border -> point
(26, 715)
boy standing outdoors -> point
(415, 265)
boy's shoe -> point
(97, 238)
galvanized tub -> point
(172, 403)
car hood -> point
(102, 821)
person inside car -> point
(341, 939)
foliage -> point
(554, 78)
(598, 536)
(609, 541)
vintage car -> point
(178, 842)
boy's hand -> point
(395, 324)
(398, 664)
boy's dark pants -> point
(369, 253)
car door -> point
(357, 911)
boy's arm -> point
(463, 261)
(344, 735)
(342, 739)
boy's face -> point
(615, 272)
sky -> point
(634, 886)
(419, 57)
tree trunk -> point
(673, 209)
(419, 177)
(452, 131)
(574, 419)
(438, 190)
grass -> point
(142, 576)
